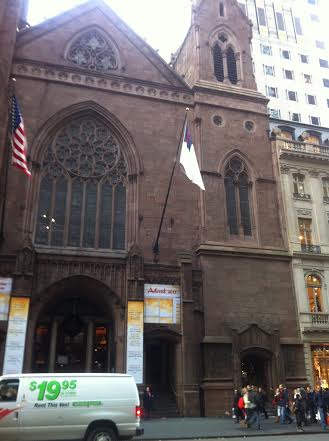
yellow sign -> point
(5, 291)
(15, 341)
(135, 333)
(19, 308)
(162, 304)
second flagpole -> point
(156, 248)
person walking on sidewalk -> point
(147, 402)
(253, 414)
(321, 402)
(237, 412)
(310, 405)
(262, 401)
(283, 403)
(299, 410)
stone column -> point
(236, 360)
(52, 348)
(90, 346)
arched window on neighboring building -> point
(237, 189)
(218, 63)
(314, 292)
(231, 66)
(221, 9)
(82, 196)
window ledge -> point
(302, 197)
(121, 254)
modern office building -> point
(290, 50)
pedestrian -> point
(147, 402)
(283, 402)
(321, 403)
(310, 405)
(275, 403)
(252, 406)
(237, 412)
(299, 410)
(262, 401)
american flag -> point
(18, 138)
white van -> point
(90, 407)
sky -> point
(162, 23)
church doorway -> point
(256, 369)
(74, 331)
(160, 364)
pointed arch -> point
(88, 171)
(225, 43)
(238, 189)
(93, 49)
(51, 126)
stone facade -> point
(238, 307)
(304, 175)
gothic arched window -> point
(231, 66)
(221, 9)
(82, 196)
(237, 189)
(94, 52)
(218, 63)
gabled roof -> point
(28, 35)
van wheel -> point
(102, 434)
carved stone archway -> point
(90, 303)
(264, 344)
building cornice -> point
(240, 251)
(111, 83)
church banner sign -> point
(15, 342)
(162, 304)
(5, 291)
(135, 334)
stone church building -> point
(103, 115)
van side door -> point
(9, 409)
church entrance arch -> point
(256, 368)
(74, 331)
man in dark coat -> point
(321, 402)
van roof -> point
(62, 374)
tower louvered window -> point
(218, 63)
(231, 66)
(237, 189)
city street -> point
(213, 428)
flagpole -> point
(6, 165)
(156, 248)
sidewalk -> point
(191, 428)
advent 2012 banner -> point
(135, 332)
(15, 341)
(162, 303)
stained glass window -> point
(237, 189)
(82, 196)
(94, 52)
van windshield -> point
(8, 390)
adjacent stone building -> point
(103, 115)
(304, 168)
